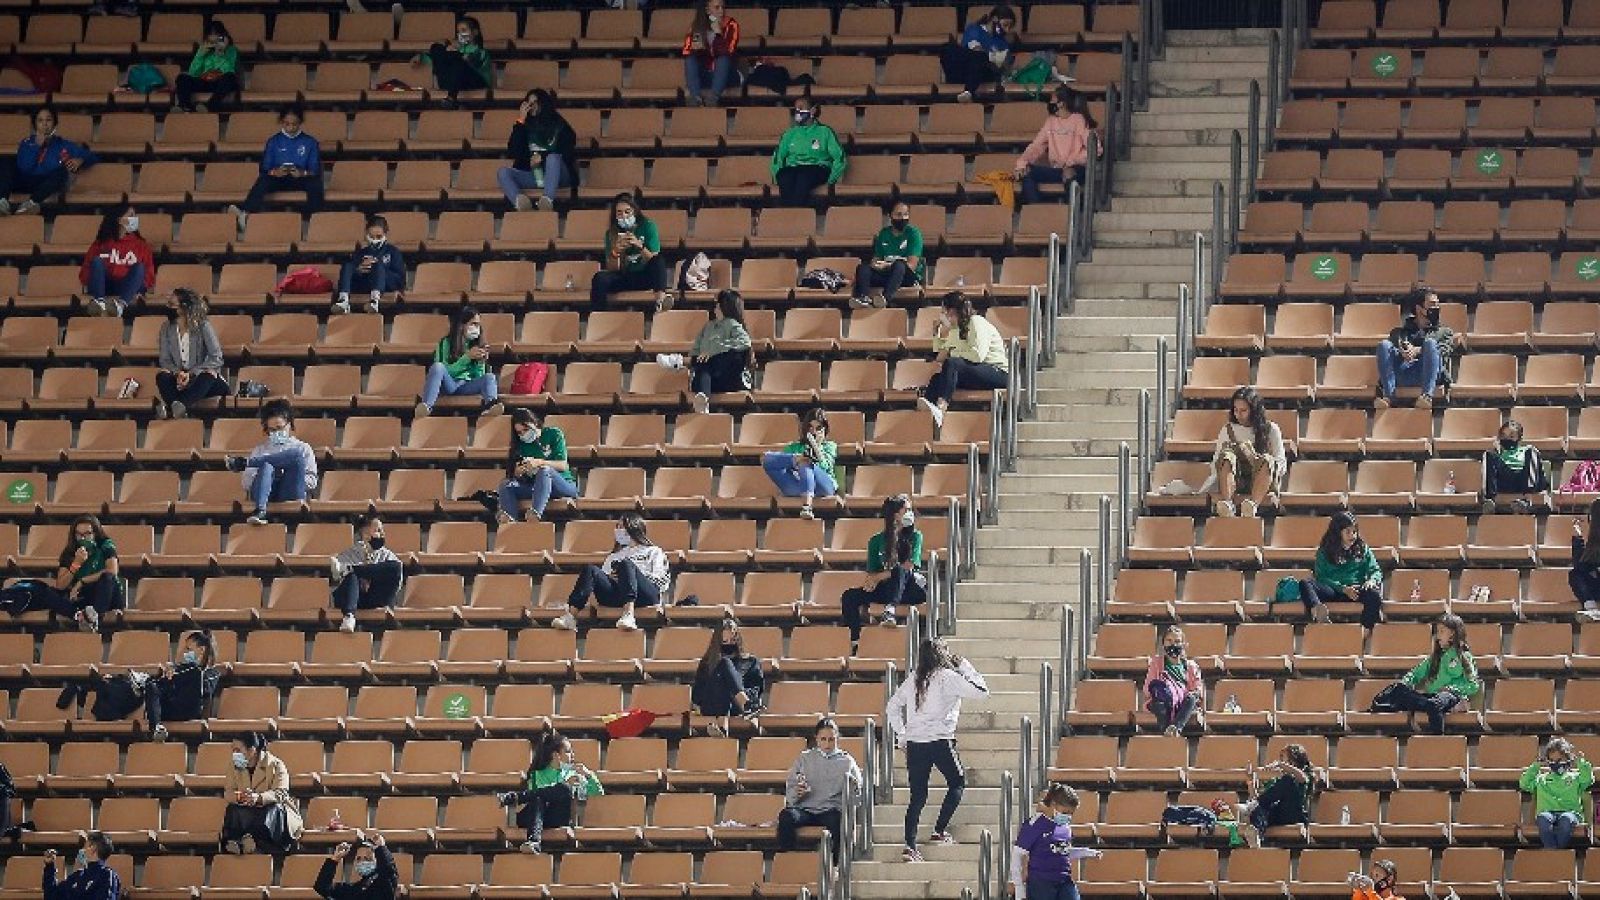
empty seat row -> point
(1332, 274)
(1453, 68)
(1475, 223)
(1481, 20)
(1413, 170)
(1498, 325)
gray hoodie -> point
(826, 774)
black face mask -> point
(172, 314)
(1174, 649)
(1053, 107)
(1508, 443)
(376, 543)
(1432, 316)
(1383, 885)
(730, 649)
(1559, 767)
(899, 224)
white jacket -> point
(935, 719)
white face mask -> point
(290, 134)
(472, 332)
(626, 222)
(464, 38)
(240, 760)
(190, 657)
(278, 436)
(908, 519)
(376, 241)
(622, 536)
(131, 223)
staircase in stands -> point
(1009, 615)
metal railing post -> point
(1031, 351)
(1124, 492)
(1053, 284)
(1147, 48)
(1163, 401)
(1091, 195)
(885, 781)
(1085, 609)
(1181, 335)
(1129, 97)
(1145, 452)
(1024, 764)
(975, 503)
(1253, 158)
(1274, 97)
(1235, 173)
(1218, 236)
(935, 576)
(1048, 730)
(869, 787)
(985, 865)
(1067, 657)
(1197, 296)
(1002, 867)
(995, 461)
(1103, 548)
(1070, 253)
(825, 871)
(847, 838)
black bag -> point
(489, 499)
(829, 280)
(117, 697)
(1384, 700)
(23, 595)
(253, 390)
(1189, 815)
(774, 78)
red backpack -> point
(1585, 478)
(529, 378)
(307, 280)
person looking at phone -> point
(633, 260)
(90, 879)
(1418, 353)
(814, 792)
(461, 366)
(376, 267)
(1378, 883)
(710, 51)
(214, 71)
(536, 468)
(373, 874)
(290, 161)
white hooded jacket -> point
(935, 718)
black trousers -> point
(369, 586)
(222, 90)
(452, 71)
(721, 374)
(1282, 803)
(1585, 584)
(891, 279)
(239, 821)
(162, 703)
(39, 187)
(628, 585)
(959, 374)
(792, 819)
(1406, 698)
(1314, 593)
(268, 184)
(795, 183)
(901, 587)
(922, 757)
(548, 807)
(201, 386)
(104, 594)
(717, 698)
(652, 277)
(967, 67)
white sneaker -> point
(163, 411)
(627, 623)
(669, 360)
(372, 302)
(523, 203)
(545, 204)
(342, 306)
(942, 837)
(565, 622)
(240, 216)
(964, 97)
(1247, 509)
(5, 206)
(27, 208)
(422, 411)
(933, 410)
(158, 733)
(861, 302)
(259, 518)
(702, 403)
(177, 410)
(347, 624)
(529, 847)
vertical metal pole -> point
(1103, 550)
(869, 789)
(1185, 300)
(886, 745)
(1146, 452)
(1048, 729)
(1218, 236)
(1129, 97)
(1085, 609)
(1069, 297)
(1002, 867)
(1052, 275)
(1067, 660)
(847, 838)
(985, 865)
(1254, 156)
(1197, 300)
(825, 872)
(951, 589)
(975, 502)
(1124, 481)
(996, 458)
(1163, 402)
(1235, 173)
(1273, 95)
(1025, 786)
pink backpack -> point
(1585, 478)
(529, 378)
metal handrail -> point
(1129, 93)
(825, 872)
(935, 578)
(985, 865)
(1146, 456)
(1254, 155)
(1002, 865)
(1274, 95)
(1147, 48)
(1124, 515)
(1069, 633)
(1235, 174)
(1047, 722)
(975, 503)
(1163, 409)
(869, 787)
(995, 463)
(1085, 610)
(1052, 291)
(847, 839)
(1024, 763)
(1103, 546)
(1036, 312)
(1013, 400)
(885, 780)
(1218, 237)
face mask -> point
(365, 867)
(908, 519)
(1053, 108)
(132, 224)
(1560, 767)
(239, 760)
(287, 133)
(86, 543)
(899, 224)
(1062, 818)
(1174, 649)
(802, 116)
(472, 332)
(463, 38)
(998, 28)
(376, 543)
(1383, 885)
(279, 436)
(622, 536)
(190, 658)
(47, 130)
(376, 241)
(1508, 443)
(729, 649)
(529, 436)
(83, 858)
(1433, 316)
(626, 223)
(172, 314)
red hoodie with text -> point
(121, 254)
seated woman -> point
(1559, 782)
(1344, 568)
(555, 780)
(807, 157)
(805, 468)
(182, 691)
(982, 55)
(971, 354)
(190, 356)
(463, 64)
(280, 468)
(1584, 578)
(214, 70)
(261, 813)
(461, 367)
(88, 582)
(541, 149)
(1059, 152)
(728, 680)
(1285, 798)
(1248, 461)
(633, 256)
(375, 267)
(43, 165)
(1444, 682)
(536, 467)
(815, 790)
(368, 575)
(634, 574)
(720, 358)
(894, 569)
(374, 871)
(710, 51)
(1172, 685)
(119, 267)
(1513, 467)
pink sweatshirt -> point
(1192, 684)
(1060, 143)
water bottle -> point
(1416, 589)
(961, 281)
(334, 822)
(1344, 815)
(1232, 706)
(538, 177)
(1450, 482)
(569, 284)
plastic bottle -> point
(334, 822)
(1450, 482)
(1416, 589)
(1344, 815)
(961, 281)
(570, 284)
(1232, 706)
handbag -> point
(1287, 591)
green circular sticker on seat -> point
(20, 491)
(457, 706)
(1385, 65)
(1490, 161)
(1588, 268)
(1324, 268)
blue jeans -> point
(127, 287)
(694, 75)
(1555, 829)
(1037, 175)
(279, 476)
(354, 281)
(797, 481)
(1040, 889)
(514, 181)
(1422, 372)
(538, 491)
(440, 381)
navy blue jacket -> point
(96, 881)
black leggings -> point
(653, 277)
(382, 586)
(453, 72)
(791, 819)
(795, 183)
(722, 373)
(39, 187)
(222, 89)
(628, 585)
(1282, 803)
(104, 594)
(1585, 584)
(922, 757)
(547, 807)
(1406, 698)
(967, 67)
(1313, 593)
(960, 374)
(725, 683)
(900, 587)
(201, 386)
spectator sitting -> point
(808, 155)
(729, 680)
(462, 65)
(720, 355)
(44, 164)
(711, 48)
(1344, 568)
(1173, 686)
(119, 267)
(182, 691)
(555, 780)
(376, 267)
(260, 811)
(633, 256)
(280, 468)
(814, 791)
(291, 161)
(1584, 579)
(1443, 682)
(190, 356)
(541, 148)
(1060, 150)
(375, 874)
(1248, 461)
(1285, 799)
(214, 70)
(1042, 857)
(88, 582)
(982, 55)
(894, 569)
(805, 467)
(1378, 883)
(896, 260)
(1559, 782)
(971, 352)
(460, 366)
(91, 879)
(635, 573)
(536, 467)
(1513, 467)
(366, 576)
(1418, 353)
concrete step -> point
(1171, 187)
(1126, 300)
(1233, 105)
(1186, 155)
(1072, 412)
(1236, 58)
(1085, 326)
(1174, 205)
(1170, 137)
(1129, 257)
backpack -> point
(1189, 815)
(118, 696)
(23, 595)
(144, 78)
(1288, 590)
(529, 378)
(306, 280)
(1585, 478)
(823, 279)
(1034, 75)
